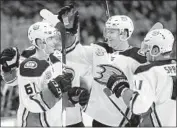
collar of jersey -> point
(72, 46)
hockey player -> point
(118, 29)
(96, 55)
(40, 79)
(83, 56)
(155, 83)
(76, 95)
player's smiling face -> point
(53, 42)
(113, 36)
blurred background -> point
(17, 16)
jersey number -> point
(28, 89)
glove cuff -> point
(54, 88)
(74, 94)
(118, 82)
(122, 84)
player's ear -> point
(155, 50)
(40, 43)
(124, 35)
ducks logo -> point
(106, 72)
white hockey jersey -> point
(37, 103)
(80, 59)
(38, 106)
(86, 59)
(156, 93)
(107, 113)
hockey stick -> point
(49, 16)
(108, 95)
(62, 30)
(107, 9)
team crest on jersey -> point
(48, 75)
(106, 72)
(31, 64)
(100, 52)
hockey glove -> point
(9, 59)
(70, 18)
(79, 95)
(60, 84)
(117, 84)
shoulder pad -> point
(33, 67)
(144, 68)
(54, 59)
(133, 53)
(28, 52)
(105, 46)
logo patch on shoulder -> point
(31, 64)
(48, 75)
(100, 52)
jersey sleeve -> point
(88, 50)
(28, 52)
(33, 91)
(130, 58)
(95, 54)
(127, 65)
(10, 78)
(145, 96)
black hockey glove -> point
(9, 59)
(79, 95)
(60, 84)
(70, 18)
(117, 83)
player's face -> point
(53, 43)
(113, 36)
